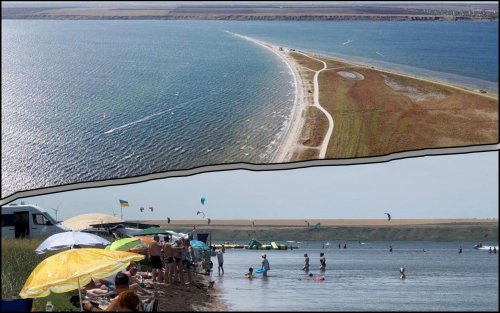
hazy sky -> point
(455, 186)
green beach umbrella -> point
(126, 244)
(151, 231)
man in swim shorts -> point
(306, 263)
(169, 261)
(155, 258)
(177, 253)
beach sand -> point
(286, 149)
(197, 297)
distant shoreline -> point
(250, 13)
(324, 222)
(471, 230)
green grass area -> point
(18, 261)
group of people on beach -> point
(171, 262)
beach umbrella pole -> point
(80, 295)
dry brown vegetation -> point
(386, 112)
(307, 62)
(315, 127)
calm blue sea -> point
(364, 277)
(94, 100)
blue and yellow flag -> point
(123, 203)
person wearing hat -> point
(265, 264)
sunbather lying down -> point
(99, 288)
(122, 283)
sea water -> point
(94, 100)
(364, 277)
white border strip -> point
(250, 167)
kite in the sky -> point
(388, 216)
(151, 208)
(142, 209)
(202, 200)
(201, 212)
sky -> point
(451, 186)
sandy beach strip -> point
(324, 222)
(289, 142)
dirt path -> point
(326, 140)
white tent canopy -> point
(81, 222)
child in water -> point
(249, 275)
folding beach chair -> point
(17, 305)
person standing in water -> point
(322, 261)
(265, 264)
(306, 263)
(494, 250)
(402, 274)
(390, 248)
(220, 260)
(460, 250)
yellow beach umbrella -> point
(72, 269)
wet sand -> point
(196, 297)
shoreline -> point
(286, 148)
(324, 222)
(349, 229)
(290, 145)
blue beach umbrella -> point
(199, 245)
(70, 239)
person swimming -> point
(249, 275)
